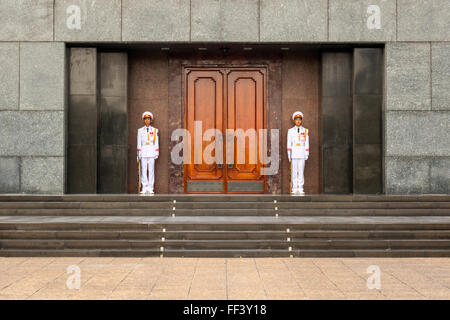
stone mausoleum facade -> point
(371, 76)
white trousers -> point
(147, 173)
(297, 176)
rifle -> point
(290, 176)
(139, 175)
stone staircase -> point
(225, 225)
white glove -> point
(307, 156)
(289, 159)
(139, 155)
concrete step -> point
(222, 205)
(224, 198)
(222, 235)
(307, 253)
(236, 227)
(225, 212)
(223, 253)
(347, 244)
(224, 225)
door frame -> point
(189, 67)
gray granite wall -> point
(416, 85)
(32, 106)
(417, 117)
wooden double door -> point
(224, 114)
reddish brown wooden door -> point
(220, 99)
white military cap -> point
(296, 114)
(147, 114)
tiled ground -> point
(220, 278)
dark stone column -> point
(113, 124)
(367, 104)
(82, 122)
(337, 135)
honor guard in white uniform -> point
(148, 151)
(298, 152)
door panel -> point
(204, 103)
(245, 106)
(225, 98)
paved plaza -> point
(224, 278)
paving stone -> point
(46, 279)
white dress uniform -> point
(298, 153)
(148, 151)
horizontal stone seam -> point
(33, 110)
(418, 111)
(418, 157)
(105, 96)
(416, 41)
(94, 42)
(36, 42)
(37, 109)
(32, 156)
(364, 144)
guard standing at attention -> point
(298, 152)
(148, 151)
